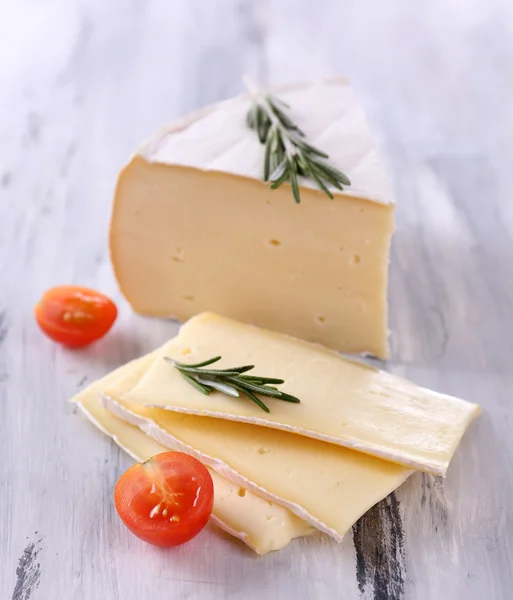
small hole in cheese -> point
(341, 249)
(190, 298)
(321, 319)
(263, 450)
(186, 351)
(356, 259)
(242, 492)
(178, 256)
(275, 242)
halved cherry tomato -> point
(75, 316)
(167, 500)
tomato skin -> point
(167, 500)
(74, 315)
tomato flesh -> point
(74, 315)
(167, 500)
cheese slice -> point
(262, 525)
(195, 228)
(328, 486)
(342, 402)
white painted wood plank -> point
(80, 85)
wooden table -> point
(81, 83)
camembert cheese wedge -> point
(342, 402)
(195, 228)
(262, 525)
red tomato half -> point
(75, 316)
(167, 500)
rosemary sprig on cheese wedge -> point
(231, 381)
(288, 155)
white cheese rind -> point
(264, 527)
(217, 138)
(342, 402)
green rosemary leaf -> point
(196, 371)
(254, 378)
(257, 389)
(278, 182)
(318, 168)
(220, 387)
(304, 167)
(293, 179)
(275, 139)
(204, 389)
(267, 157)
(306, 146)
(281, 153)
(259, 119)
(335, 173)
(243, 369)
(319, 182)
(279, 171)
(210, 361)
(257, 401)
(284, 120)
(273, 165)
(251, 117)
(266, 125)
(289, 398)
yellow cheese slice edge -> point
(262, 526)
(385, 416)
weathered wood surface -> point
(81, 83)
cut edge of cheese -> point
(409, 396)
(275, 528)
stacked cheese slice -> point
(357, 434)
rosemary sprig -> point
(231, 382)
(287, 153)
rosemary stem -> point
(260, 98)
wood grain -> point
(81, 83)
